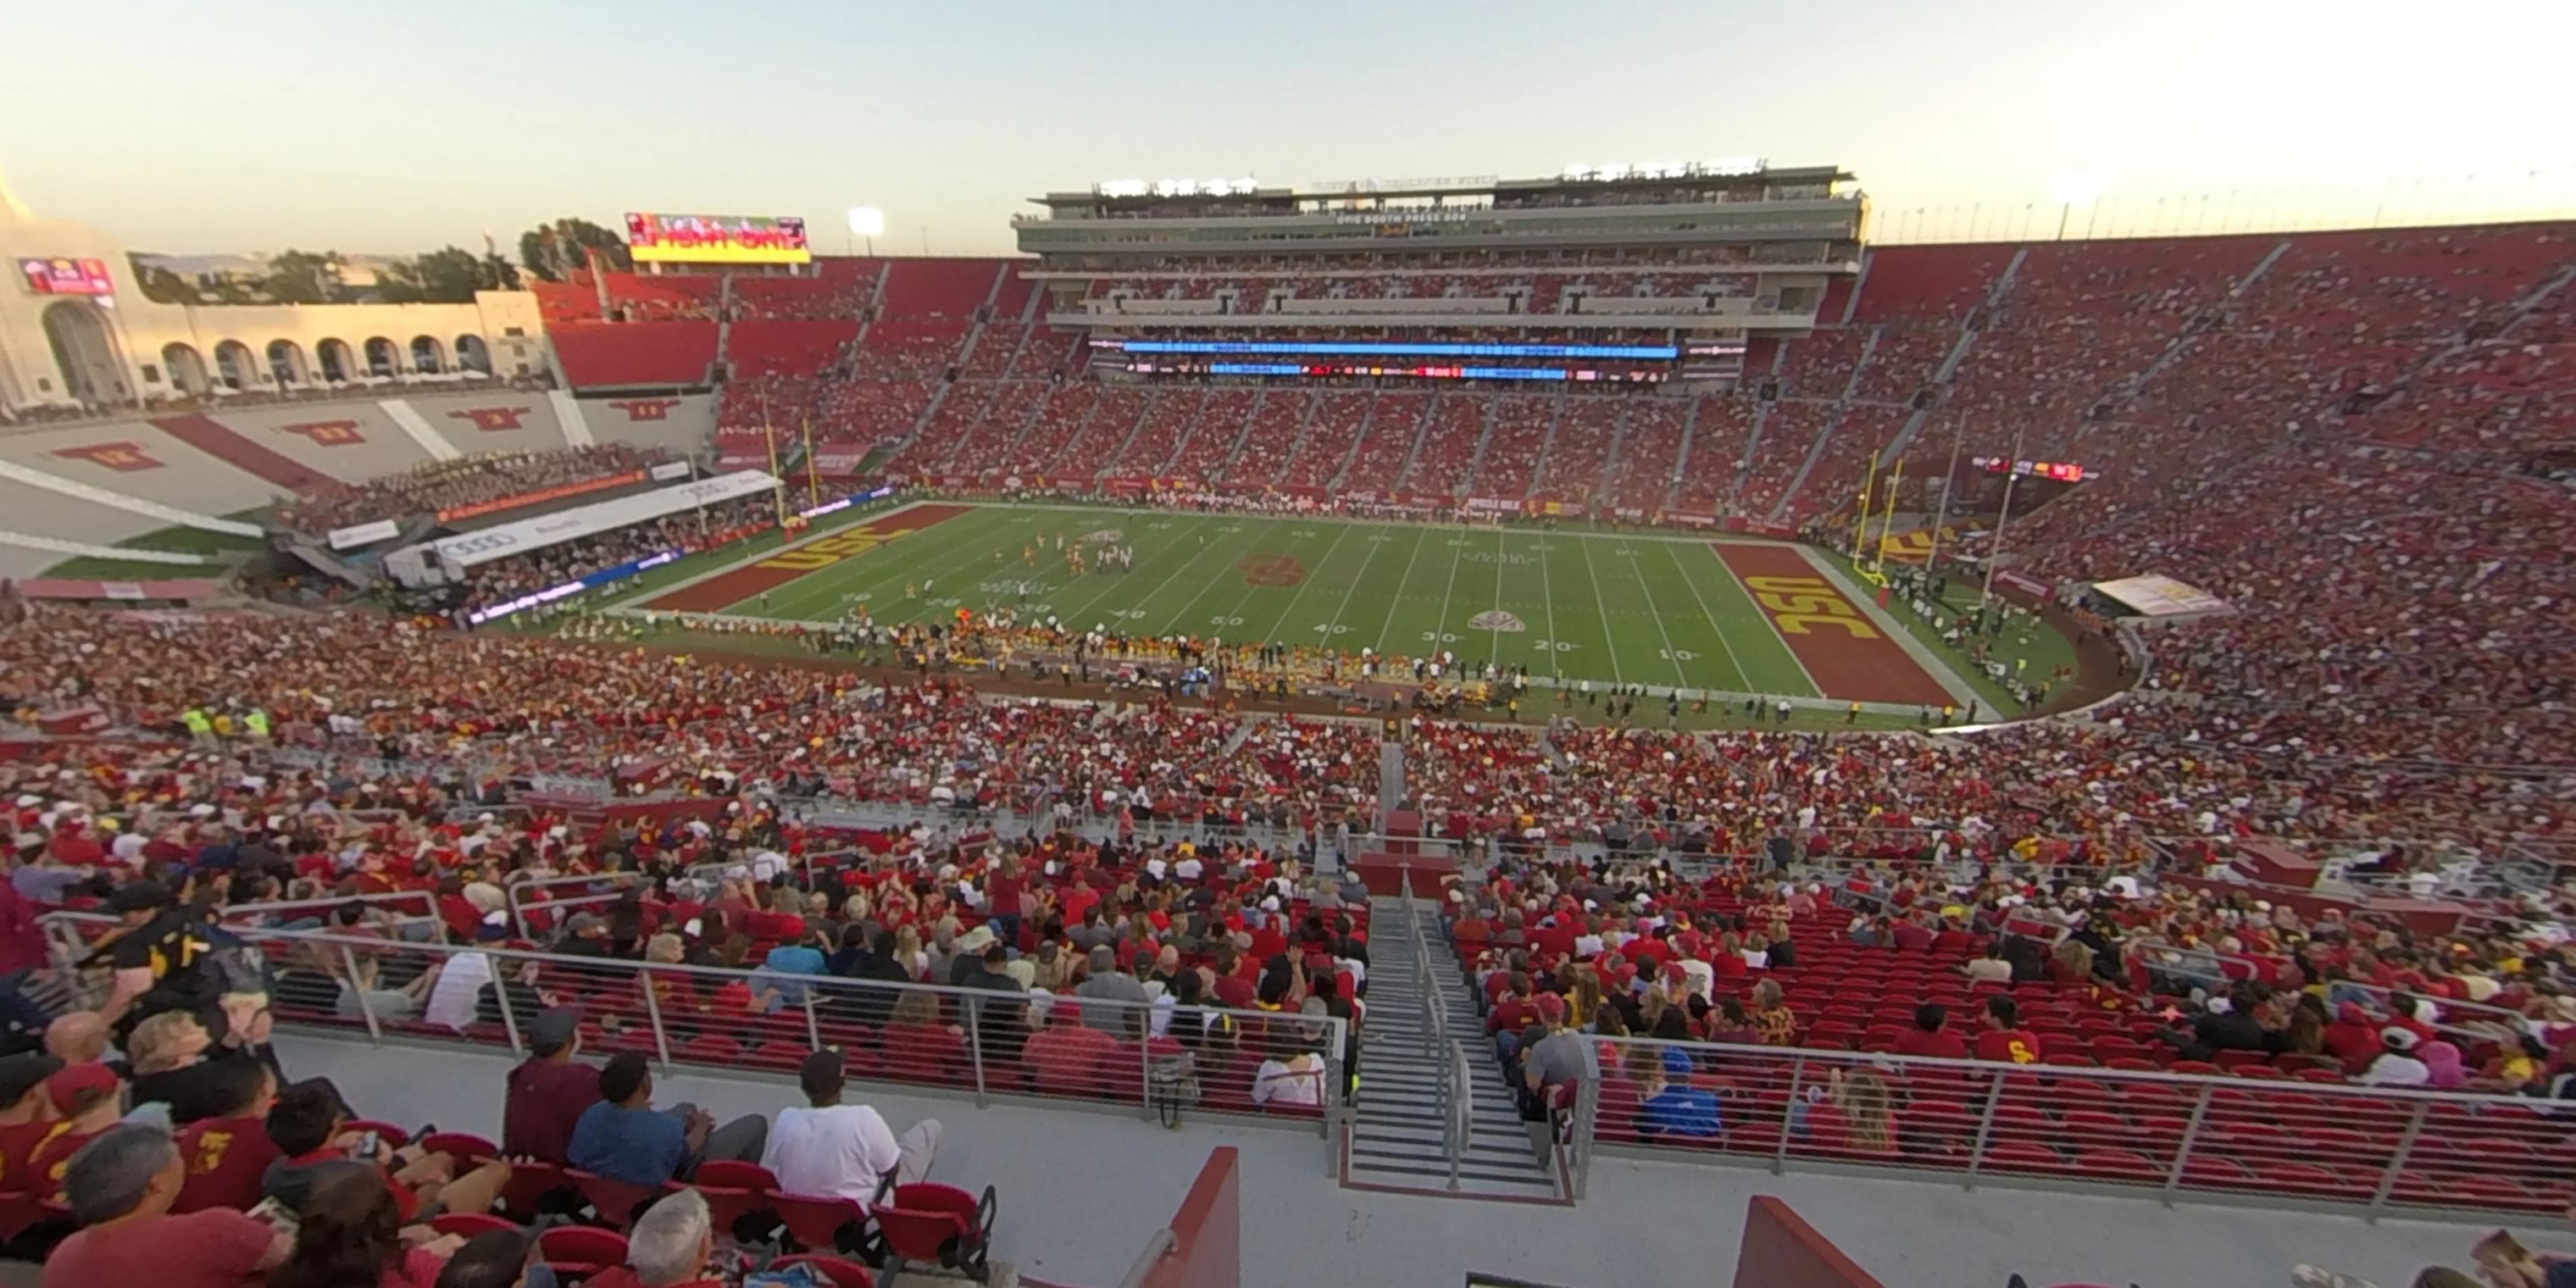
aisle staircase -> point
(1398, 1141)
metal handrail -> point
(1333, 1032)
(2029, 1084)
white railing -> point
(2227, 1138)
(981, 1042)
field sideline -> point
(1665, 612)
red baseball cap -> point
(78, 1086)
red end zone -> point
(780, 567)
(1850, 658)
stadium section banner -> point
(540, 496)
(717, 239)
(2157, 596)
(359, 534)
(524, 535)
(2031, 586)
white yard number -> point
(1553, 646)
(1678, 655)
(1159, 526)
(1302, 534)
(1225, 621)
(1231, 527)
(1330, 628)
(949, 603)
(1130, 614)
(1376, 537)
(1041, 609)
(1435, 637)
(1623, 550)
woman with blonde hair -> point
(1584, 1001)
(1772, 1019)
(2072, 963)
(1861, 1099)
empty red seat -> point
(582, 1245)
(939, 1225)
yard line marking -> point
(1547, 588)
(830, 597)
(1494, 644)
(1680, 680)
(1612, 640)
(1264, 529)
(1365, 565)
(1302, 584)
(1401, 584)
(1150, 561)
(824, 589)
(1456, 553)
(1742, 676)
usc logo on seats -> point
(124, 458)
(1798, 605)
(823, 552)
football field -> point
(1663, 611)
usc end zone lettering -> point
(1798, 605)
(725, 589)
(1845, 653)
(823, 552)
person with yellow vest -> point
(256, 721)
(199, 726)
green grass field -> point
(1657, 610)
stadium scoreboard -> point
(717, 239)
(53, 276)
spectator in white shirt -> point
(843, 1150)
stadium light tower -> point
(867, 222)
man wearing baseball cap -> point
(548, 1091)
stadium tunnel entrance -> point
(339, 362)
(472, 355)
(187, 369)
(286, 362)
(84, 351)
(428, 353)
(236, 365)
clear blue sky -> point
(231, 125)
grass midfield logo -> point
(1272, 570)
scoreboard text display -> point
(66, 276)
(717, 239)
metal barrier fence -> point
(1158, 1057)
(2160, 1133)
(1450, 1080)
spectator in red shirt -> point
(1911, 937)
(547, 1093)
(1515, 1011)
(88, 1099)
(1932, 1035)
(121, 1193)
(2352, 1038)
(2003, 1038)
(1066, 1056)
(228, 1153)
